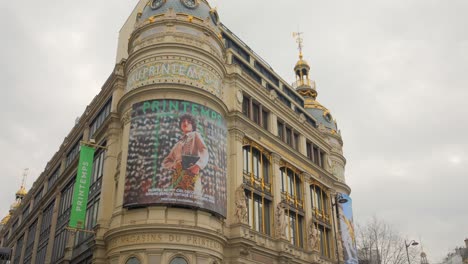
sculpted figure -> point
(281, 221)
(241, 205)
(312, 236)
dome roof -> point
(5, 220)
(21, 192)
(301, 64)
(200, 10)
(321, 114)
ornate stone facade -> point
(171, 51)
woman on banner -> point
(188, 156)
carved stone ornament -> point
(312, 236)
(241, 205)
(126, 117)
(281, 221)
(273, 95)
(239, 96)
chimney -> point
(466, 242)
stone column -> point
(53, 225)
(36, 237)
(235, 173)
(108, 187)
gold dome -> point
(301, 63)
(21, 192)
(5, 220)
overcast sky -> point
(392, 72)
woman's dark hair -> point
(190, 118)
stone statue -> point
(312, 236)
(281, 221)
(241, 205)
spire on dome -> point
(21, 193)
(303, 84)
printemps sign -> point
(81, 189)
(187, 71)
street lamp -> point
(407, 245)
(338, 199)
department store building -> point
(203, 155)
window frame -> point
(255, 111)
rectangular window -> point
(41, 254)
(287, 135)
(281, 130)
(246, 106)
(258, 212)
(65, 205)
(30, 242)
(45, 224)
(53, 178)
(26, 211)
(265, 119)
(310, 153)
(322, 158)
(100, 118)
(256, 167)
(324, 235)
(98, 172)
(60, 242)
(291, 185)
(296, 141)
(255, 112)
(37, 197)
(73, 153)
(295, 230)
(91, 220)
(18, 249)
(316, 152)
(15, 225)
(320, 203)
(44, 233)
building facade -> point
(459, 256)
(208, 156)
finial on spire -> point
(25, 175)
(21, 193)
(299, 40)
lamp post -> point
(338, 199)
(407, 245)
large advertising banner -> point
(176, 156)
(345, 214)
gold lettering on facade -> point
(181, 70)
(181, 239)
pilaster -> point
(53, 225)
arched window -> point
(178, 260)
(257, 186)
(291, 185)
(133, 260)
(292, 194)
(256, 166)
(321, 212)
(320, 202)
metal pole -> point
(335, 226)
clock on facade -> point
(157, 3)
(190, 3)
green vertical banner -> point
(81, 189)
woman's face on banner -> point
(186, 126)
